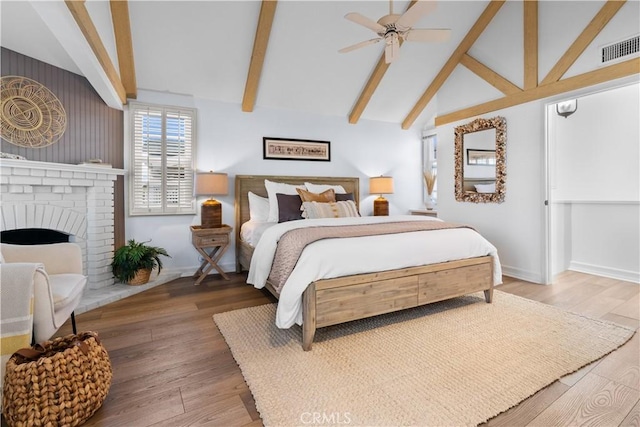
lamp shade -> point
(381, 185)
(212, 184)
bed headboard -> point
(255, 184)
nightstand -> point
(211, 243)
(424, 212)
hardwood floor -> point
(172, 367)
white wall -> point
(231, 141)
(605, 240)
(595, 151)
(514, 226)
(595, 182)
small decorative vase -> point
(430, 202)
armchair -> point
(57, 289)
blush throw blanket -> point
(293, 242)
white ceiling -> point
(203, 49)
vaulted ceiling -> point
(274, 54)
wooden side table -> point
(211, 243)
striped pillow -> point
(342, 209)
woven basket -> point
(57, 383)
(141, 277)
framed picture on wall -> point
(296, 149)
(481, 157)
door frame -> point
(549, 110)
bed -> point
(334, 300)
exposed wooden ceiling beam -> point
(590, 78)
(493, 78)
(371, 85)
(489, 12)
(124, 46)
(601, 19)
(265, 21)
(81, 16)
(530, 44)
(369, 88)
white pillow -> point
(258, 207)
(319, 188)
(486, 188)
(278, 187)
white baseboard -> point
(518, 273)
(600, 270)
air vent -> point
(621, 50)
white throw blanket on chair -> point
(16, 309)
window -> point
(162, 159)
(430, 159)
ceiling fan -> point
(393, 27)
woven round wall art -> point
(31, 115)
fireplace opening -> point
(33, 236)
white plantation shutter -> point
(162, 160)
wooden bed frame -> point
(332, 301)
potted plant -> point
(134, 262)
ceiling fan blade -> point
(359, 45)
(415, 12)
(427, 35)
(391, 50)
(366, 22)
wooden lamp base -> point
(380, 207)
(211, 214)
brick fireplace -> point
(73, 199)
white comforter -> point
(330, 258)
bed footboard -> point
(333, 301)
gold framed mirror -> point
(480, 160)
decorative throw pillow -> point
(344, 197)
(258, 207)
(319, 188)
(272, 189)
(324, 197)
(330, 210)
(289, 207)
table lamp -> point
(381, 185)
(211, 184)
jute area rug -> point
(453, 363)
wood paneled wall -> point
(94, 130)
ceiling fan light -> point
(393, 28)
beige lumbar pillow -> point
(324, 197)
